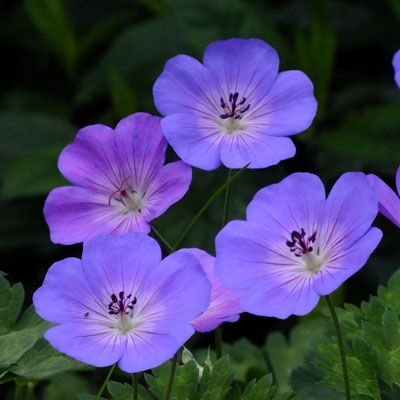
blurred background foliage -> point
(71, 63)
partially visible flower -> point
(389, 201)
(121, 303)
(224, 303)
(298, 245)
(120, 182)
(396, 66)
(234, 108)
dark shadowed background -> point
(67, 64)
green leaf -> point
(123, 391)
(22, 133)
(261, 389)
(65, 387)
(52, 21)
(217, 380)
(369, 136)
(11, 301)
(123, 97)
(34, 174)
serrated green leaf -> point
(217, 380)
(11, 301)
(123, 391)
(261, 389)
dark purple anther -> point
(234, 110)
(299, 244)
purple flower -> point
(234, 108)
(224, 303)
(120, 181)
(396, 66)
(296, 244)
(121, 303)
(389, 201)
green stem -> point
(227, 198)
(341, 347)
(134, 387)
(205, 206)
(218, 342)
(103, 386)
(19, 393)
(161, 239)
(171, 376)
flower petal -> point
(246, 66)
(351, 207)
(224, 303)
(153, 346)
(388, 200)
(140, 148)
(294, 203)
(398, 180)
(346, 263)
(120, 263)
(65, 296)
(246, 251)
(75, 214)
(185, 86)
(195, 139)
(261, 151)
(168, 186)
(90, 343)
(291, 294)
(89, 161)
(396, 66)
(289, 107)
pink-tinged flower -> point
(234, 108)
(224, 303)
(396, 66)
(296, 244)
(120, 181)
(122, 303)
(389, 201)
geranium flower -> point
(120, 182)
(296, 244)
(224, 303)
(234, 108)
(121, 303)
(396, 66)
(389, 201)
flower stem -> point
(218, 342)
(161, 238)
(205, 206)
(227, 198)
(341, 347)
(134, 387)
(171, 376)
(103, 386)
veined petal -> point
(246, 66)
(294, 203)
(351, 207)
(186, 86)
(288, 109)
(196, 140)
(151, 346)
(388, 200)
(281, 296)
(76, 214)
(90, 161)
(140, 148)
(261, 151)
(346, 263)
(224, 303)
(120, 264)
(168, 186)
(66, 297)
(90, 343)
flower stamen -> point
(232, 108)
(121, 305)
